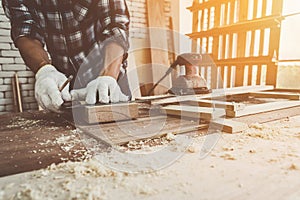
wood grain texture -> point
(215, 93)
(194, 112)
(217, 104)
(139, 129)
(260, 108)
(29, 141)
(158, 44)
(110, 112)
(279, 95)
(228, 126)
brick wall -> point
(11, 61)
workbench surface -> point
(34, 140)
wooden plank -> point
(18, 93)
(228, 126)
(195, 27)
(32, 141)
(110, 112)
(279, 95)
(158, 43)
(274, 44)
(245, 61)
(194, 112)
(261, 23)
(270, 116)
(215, 93)
(260, 108)
(218, 104)
(145, 128)
(215, 48)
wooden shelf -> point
(260, 23)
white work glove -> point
(107, 88)
(48, 82)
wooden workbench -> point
(28, 142)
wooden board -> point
(143, 128)
(214, 94)
(110, 112)
(229, 126)
(194, 112)
(217, 104)
(279, 95)
(34, 140)
(158, 44)
(260, 108)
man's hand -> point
(107, 88)
(48, 82)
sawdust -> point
(228, 157)
(262, 131)
(293, 167)
(265, 164)
(20, 122)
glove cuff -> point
(45, 70)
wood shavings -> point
(228, 157)
(293, 167)
(262, 131)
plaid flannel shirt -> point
(75, 31)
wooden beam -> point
(110, 112)
(214, 94)
(158, 44)
(228, 126)
(278, 95)
(217, 104)
(260, 108)
(142, 128)
(194, 112)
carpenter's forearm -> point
(113, 60)
(33, 53)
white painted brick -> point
(6, 60)
(19, 61)
(10, 53)
(9, 107)
(25, 93)
(12, 46)
(31, 93)
(8, 94)
(5, 32)
(5, 45)
(6, 74)
(7, 81)
(33, 106)
(1, 80)
(27, 86)
(5, 101)
(5, 39)
(14, 67)
(1, 95)
(29, 100)
(26, 106)
(25, 74)
(2, 108)
(3, 18)
(4, 88)
(3, 113)
(5, 25)
(31, 80)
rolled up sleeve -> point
(21, 19)
(115, 20)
